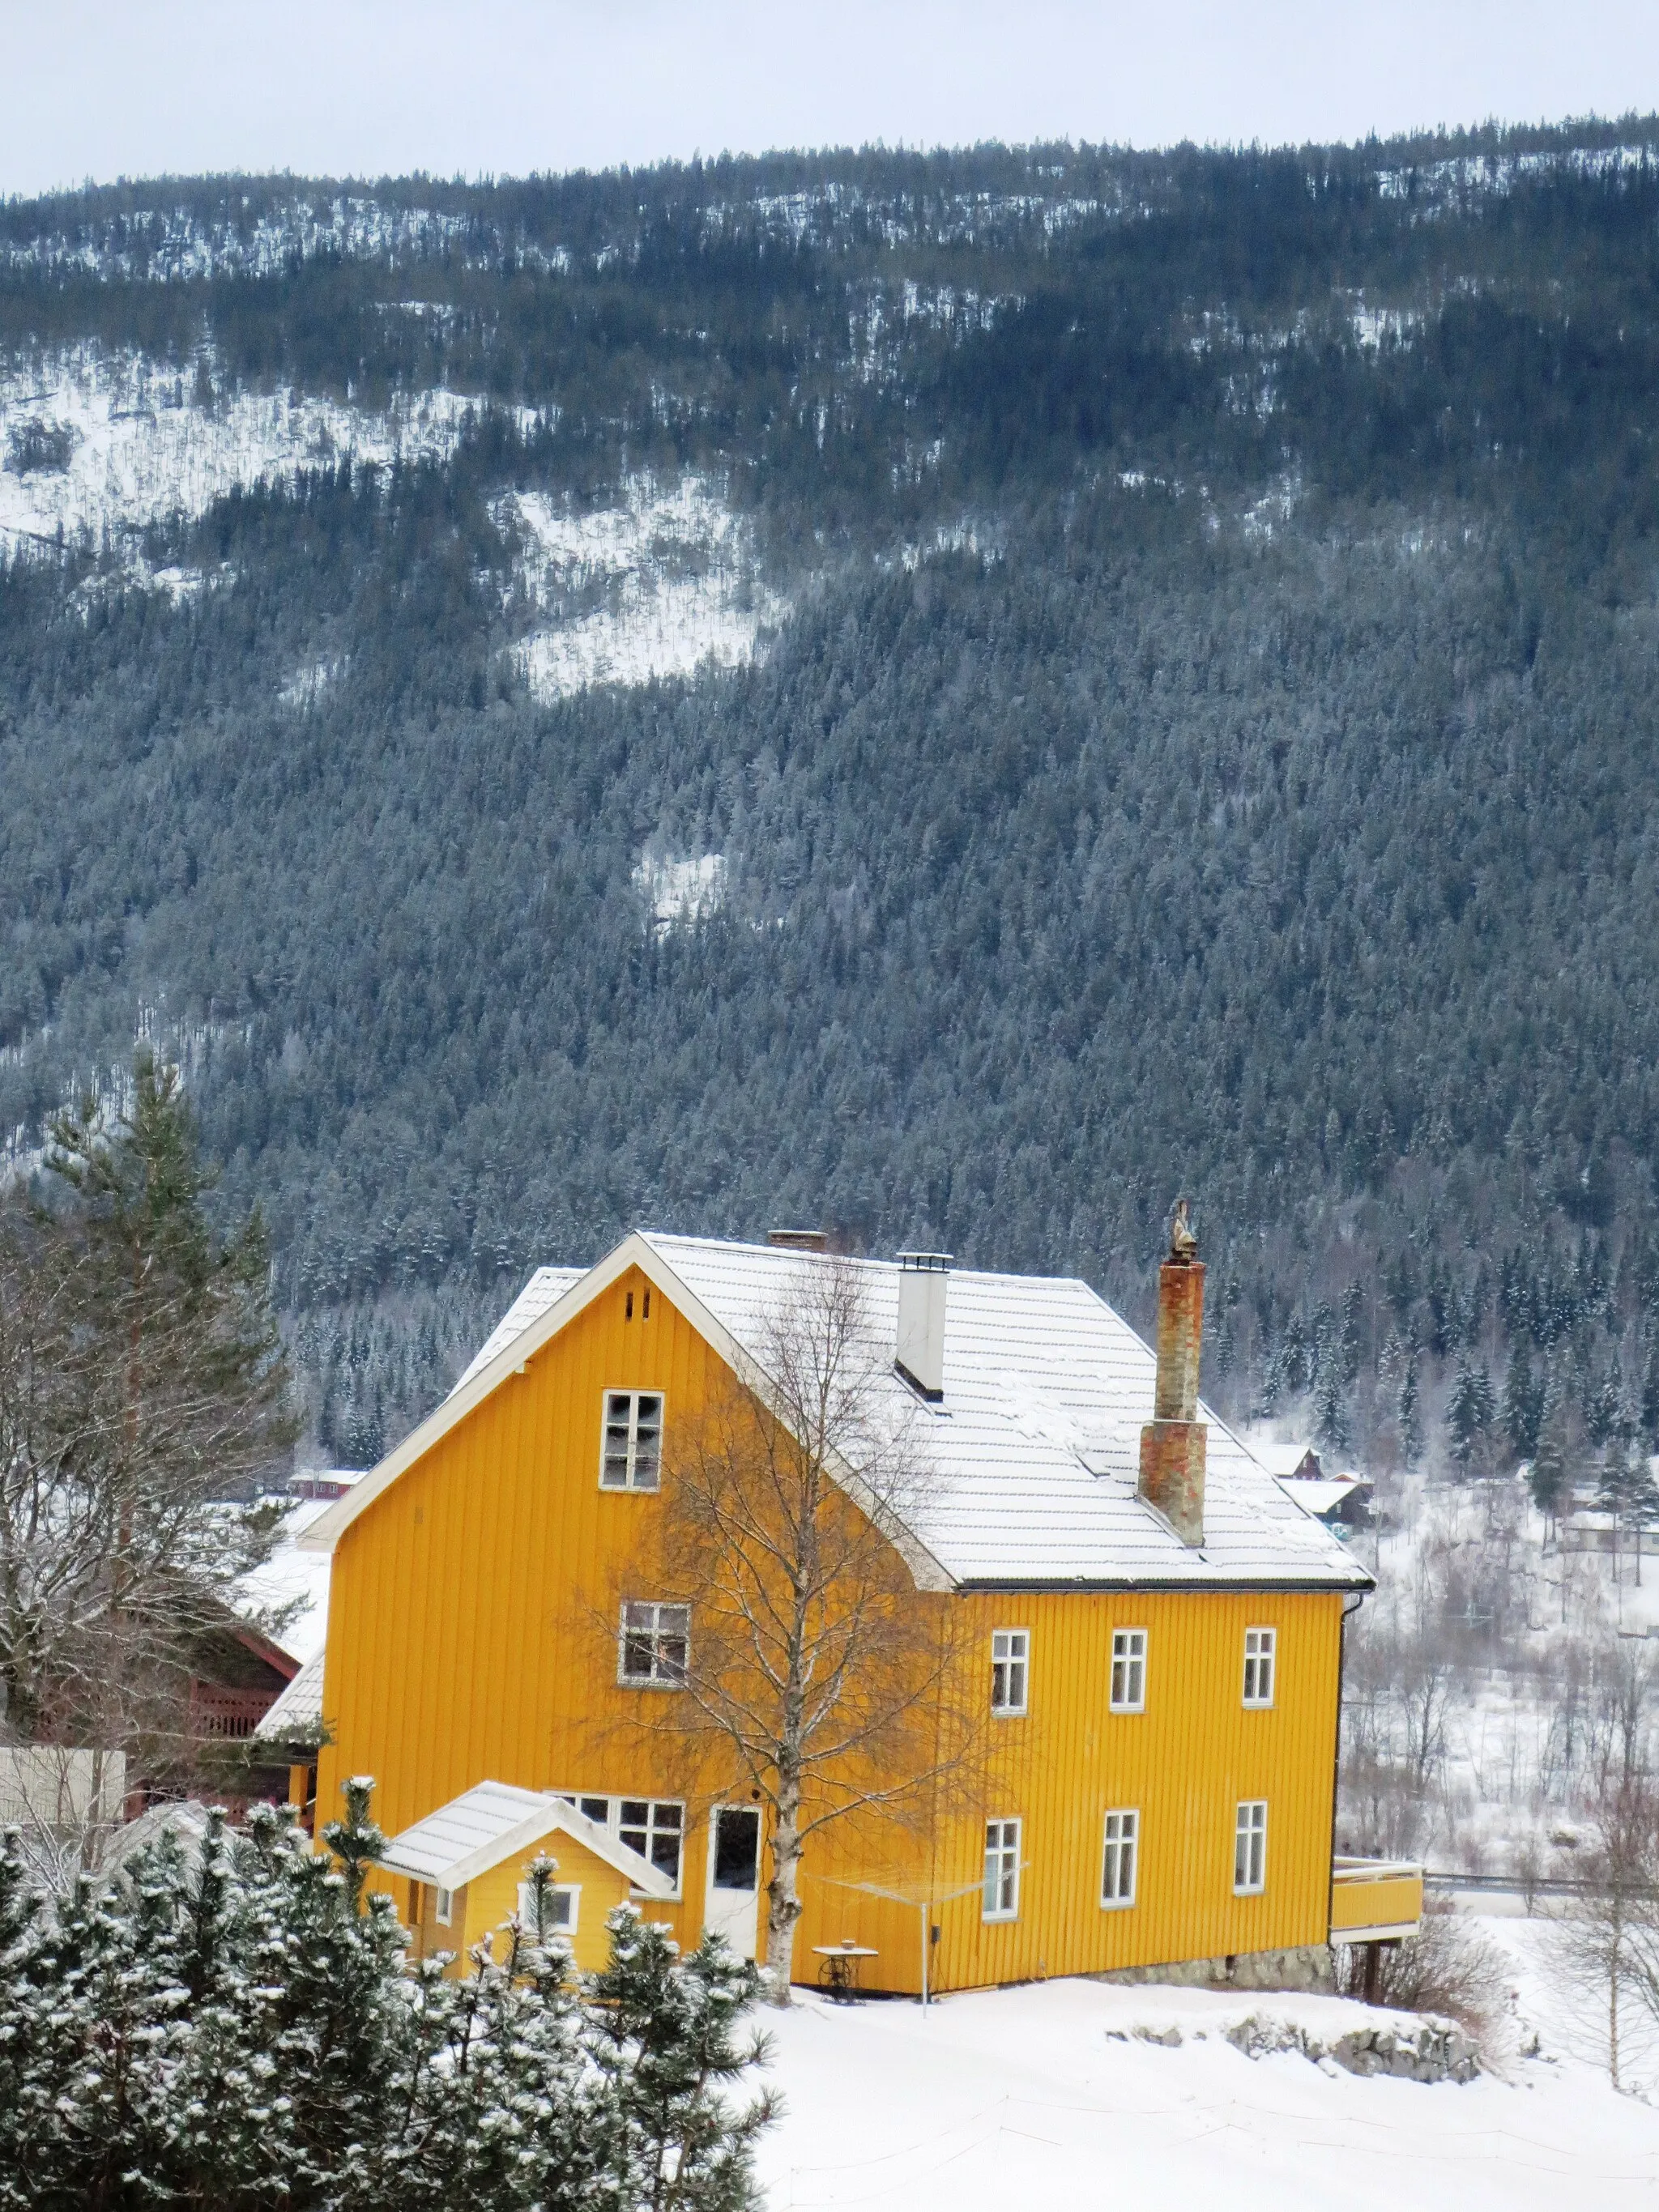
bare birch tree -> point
(817, 1671)
(1611, 1934)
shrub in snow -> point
(1447, 1968)
(232, 2023)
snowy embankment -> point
(1048, 2095)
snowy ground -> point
(1022, 2098)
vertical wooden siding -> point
(469, 1640)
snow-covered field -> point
(1018, 2098)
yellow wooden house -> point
(1155, 1628)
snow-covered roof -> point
(1282, 1461)
(297, 1715)
(493, 1821)
(1035, 1446)
(545, 1287)
(293, 1576)
(1323, 1493)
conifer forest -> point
(950, 697)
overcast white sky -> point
(103, 87)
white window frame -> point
(1260, 1668)
(443, 1906)
(1011, 1672)
(1002, 1868)
(573, 1890)
(1128, 1670)
(606, 1813)
(1250, 1847)
(655, 1623)
(639, 1458)
(1121, 1841)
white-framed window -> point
(1120, 1863)
(1128, 1670)
(631, 1451)
(653, 1827)
(1001, 1870)
(652, 1646)
(1250, 1848)
(443, 1906)
(1011, 1660)
(1260, 1656)
(563, 1906)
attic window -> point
(631, 1455)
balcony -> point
(1375, 1900)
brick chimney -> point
(1172, 1442)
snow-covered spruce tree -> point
(668, 2043)
(231, 2028)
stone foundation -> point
(1310, 1967)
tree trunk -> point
(1613, 2018)
(783, 1894)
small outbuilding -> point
(467, 1868)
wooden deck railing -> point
(1375, 1900)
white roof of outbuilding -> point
(1034, 1444)
(493, 1821)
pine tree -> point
(1548, 1479)
(670, 2047)
(1409, 1415)
(1470, 1410)
(1522, 1406)
(232, 2027)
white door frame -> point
(733, 1913)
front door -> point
(733, 1906)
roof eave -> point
(1210, 1585)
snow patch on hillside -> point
(681, 890)
(95, 442)
(656, 586)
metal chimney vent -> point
(924, 1280)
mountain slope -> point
(1194, 625)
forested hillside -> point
(950, 696)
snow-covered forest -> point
(951, 697)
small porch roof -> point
(493, 1821)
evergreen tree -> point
(232, 2027)
(671, 2048)
(1522, 1408)
(1470, 1409)
(1547, 1476)
(1409, 1415)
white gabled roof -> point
(545, 1287)
(493, 1822)
(1320, 1493)
(297, 1715)
(1035, 1443)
